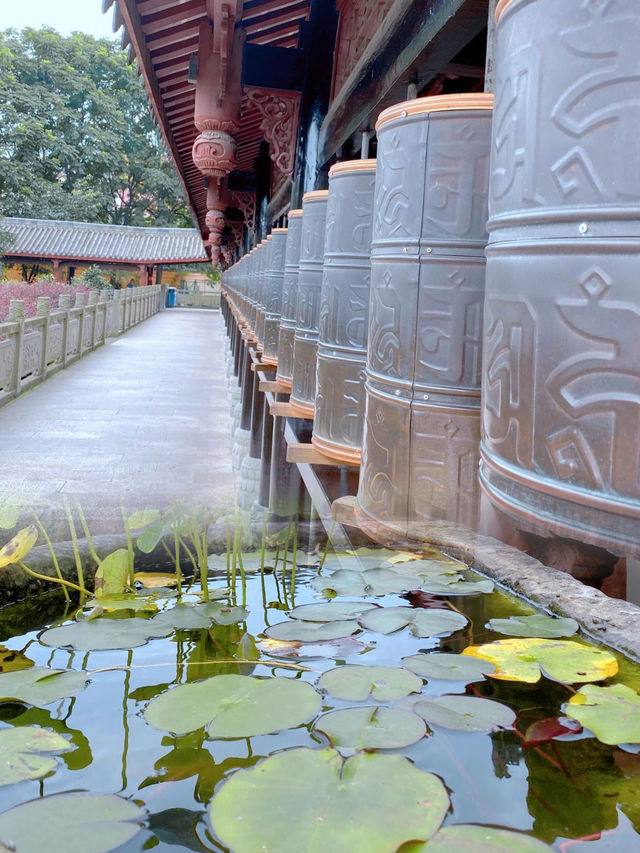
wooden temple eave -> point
(417, 38)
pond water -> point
(574, 793)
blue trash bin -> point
(171, 297)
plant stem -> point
(85, 527)
(49, 579)
(76, 550)
(127, 531)
(54, 559)
(327, 546)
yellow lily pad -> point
(17, 548)
(155, 580)
(527, 659)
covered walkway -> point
(143, 419)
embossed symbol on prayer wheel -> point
(561, 383)
(422, 422)
(305, 343)
(273, 276)
(289, 299)
(344, 311)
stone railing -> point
(33, 349)
(198, 300)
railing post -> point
(80, 303)
(43, 309)
(103, 303)
(16, 315)
(64, 304)
(93, 301)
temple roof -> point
(90, 241)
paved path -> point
(144, 419)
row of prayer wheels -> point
(461, 315)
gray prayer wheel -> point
(344, 311)
(261, 289)
(305, 343)
(422, 422)
(274, 273)
(561, 383)
(289, 299)
(251, 285)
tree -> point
(77, 137)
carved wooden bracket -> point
(246, 203)
(279, 112)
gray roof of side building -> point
(91, 241)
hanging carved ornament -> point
(215, 221)
(279, 112)
(214, 153)
(246, 203)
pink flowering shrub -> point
(30, 292)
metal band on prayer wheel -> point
(422, 423)
(305, 344)
(344, 311)
(561, 383)
(289, 299)
(274, 273)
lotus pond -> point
(380, 702)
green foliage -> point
(22, 756)
(357, 683)
(371, 728)
(612, 713)
(93, 277)
(77, 137)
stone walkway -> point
(144, 420)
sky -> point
(63, 15)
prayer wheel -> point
(561, 376)
(305, 343)
(274, 273)
(422, 421)
(289, 299)
(344, 311)
(261, 267)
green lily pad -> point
(143, 517)
(223, 614)
(129, 601)
(75, 823)
(453, 586)
(428, 568)
(465, 713)
(182, 617)
(112, 574)
(380, 581)
(251, 561)
(612, 713)
(560, 660)
(22, 757)
(423, 623)
(371, 728)
(234, 706)
(470, 838)
(326, 804)
(311, 632)
(536, 625)
(357, 683)
(149, 538)
(334, 611)
(449, 667)
(40, 685)
(100, 634)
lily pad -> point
(449, 667)
(471, 838)
(112, 574)
(429, 568)
(423, 623)
(17, 548)
(234, 706)
(311, 632)
(357, 683)
(103, 633)
(224, 614)
(560, 660)
(155, 580)
(371, 728)
(129, 601)
(149, 538)
(465, 713)
(327, 804)
(40, 685)
(536, 625)
(22, 757)
(182, 617)
(612, 713)
(143, 517)
(379, 581)
(454, 586)
(75, 823)
(334, 611)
